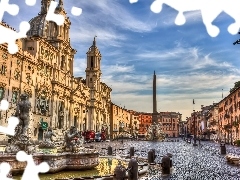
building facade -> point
(228, 117)
(43, 68)
(120, 121)
(170, 123)
(145, 120)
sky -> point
(134, 41)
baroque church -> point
(43, 68)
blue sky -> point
(134, 42)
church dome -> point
(40, 27)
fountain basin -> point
(57, 162)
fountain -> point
(155, 133)
(71, 155)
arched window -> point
(53, 29)
(15, 94)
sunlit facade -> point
(170, 123)
(43, 68)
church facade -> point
(43, 68)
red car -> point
(89, 136)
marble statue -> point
(72, 140)
(22, 112)
(48, 141)
(21, 140)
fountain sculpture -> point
(71, 155)
(48, 141)
(21, 141)
(155, 132)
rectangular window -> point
(14, 97)
(1, 93)
(30, 48)
(3, 69)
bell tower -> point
(93, 75)
(93, 71)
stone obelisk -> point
(155, 113)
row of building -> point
(219, 121)
(43, 69)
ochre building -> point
(43, 68)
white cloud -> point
(191, 18)
(161, 54)
(105, 36)
(200, 87)
(79, 67)
(114, 13)
(110, 69)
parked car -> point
(100, 137)
(89, 136)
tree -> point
(236, 85)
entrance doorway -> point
(75, 121)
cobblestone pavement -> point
(189, 162)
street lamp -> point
(194, 126)
(238, 41)
(186, 128)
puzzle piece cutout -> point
(51, 16)
(10, 129)
(31, 171)
(12, 9)
(210, 11)
(133, 1)
(10, 36)
(76, 11)
(30, 2)
(4, 105)
(4, 171)
(58, 18)
(12, 121)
